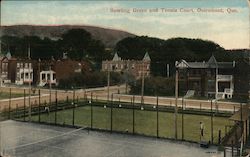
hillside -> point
(108, 36)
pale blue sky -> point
(230, 30)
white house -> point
(47, 77)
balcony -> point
(224, 77)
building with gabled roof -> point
(137, 68)
(210, 79)
(7, 68)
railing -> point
(224, 77)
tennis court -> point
(29, 139)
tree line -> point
(78, 44)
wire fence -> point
(133, 117)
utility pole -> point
(50, 85)
(176, 101)
(142, 84)
(108, 83)
(30, 78)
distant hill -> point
(108, 36)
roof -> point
(116, 57)
(146, 57)
(8, 55)
(211, 63)
(245, 114)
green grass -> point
(145, 122)
(6, 95)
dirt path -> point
(101, 94)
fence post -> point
(232, 147)
(212, 127)
(111, 114)
(91, 112)
(157, 115)
(9, 103)
(219, 137)
(248, 126)
(56, 109)
(182, 120)
(133, 102)
(16, 112)
(24, 106)
(225, 152)
(73, 118)
(39, 105)
(74, 94)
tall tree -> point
(75, 42)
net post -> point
(24, 106)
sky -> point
(225, 22)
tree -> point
(75, 42)
(163, 52)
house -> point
(24, 72)
(137, 68)
(7, 68)
(67, 67)
(47, 77)
(50, 72)
(210, 79)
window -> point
(48, 76)
(43, 76)
(18, 65)
(26, 75)
(54, 76)
(21, 75)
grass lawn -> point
(145, 122)
(6, 95)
